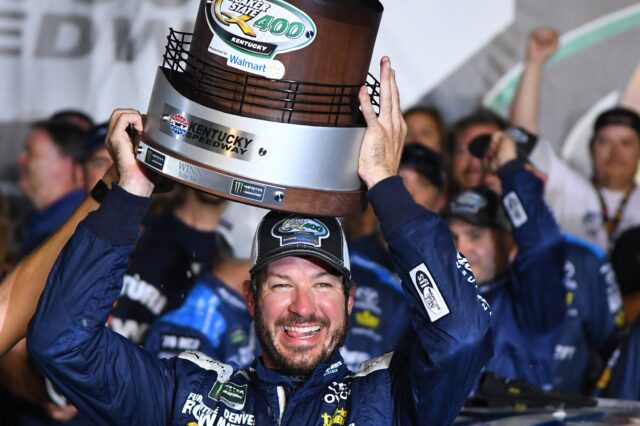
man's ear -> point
(249, 298)
(350, 299)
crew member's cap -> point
(95, 140)
(478, 206)
(287, 234)
(425, 161)
(618, 116)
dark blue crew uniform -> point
(594, 322)
(528, 303)
(213, 319)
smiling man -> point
(300, 297)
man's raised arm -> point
(100, 372)
(450, 319)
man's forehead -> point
(617, 130)
(460, 225)
(290, 265)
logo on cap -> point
(468, 202)
(300, 231)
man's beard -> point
(304, 365)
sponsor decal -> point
(336, 392)
(230, 394)
(564, 352)
(429, 292)
(465, 269)
(367, 298)
(147, 294)
(367, 319)
(569, 276)
(249, 33)
(248, 190)
(515, 210)
(300, 231)
(484, 304)
(375, 364)
(238, 336)
(338, 417)
(181, 343)
(614, 298)
(154, 159)
(205, 415)
(333, 368)
(207, 135)
(178, 124)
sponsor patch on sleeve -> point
(514, 209)
(429, 292)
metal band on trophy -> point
(260, 104)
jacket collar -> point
(320, 377)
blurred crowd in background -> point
(559, 269)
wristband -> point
(99, 191)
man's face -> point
(422, 128)
(467, 169)
(95, 167)
(41, 165)
(616, 152)
(301, 314)
(421, 189)
(486, 249)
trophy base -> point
(248, 191)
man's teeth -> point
(310, 329)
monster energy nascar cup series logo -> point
(249, 33)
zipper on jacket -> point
(282, 402)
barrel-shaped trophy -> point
(260, 104)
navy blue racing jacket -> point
(594, 322)
(381, 319)
(621, 378)
(213, 319)
(115, 382)
(528, 303)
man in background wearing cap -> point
(570, 353)
(598, 209)
(299, 295)
(518, 264)
(213, 317)
(381, 321)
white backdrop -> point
(96, 55)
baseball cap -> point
(618, 116)
(237, 226)
(283, 234)
(425, 161)
(478, 206)
(95, 140)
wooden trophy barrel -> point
(333, 65)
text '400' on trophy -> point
(260, 103)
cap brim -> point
(301, 250)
